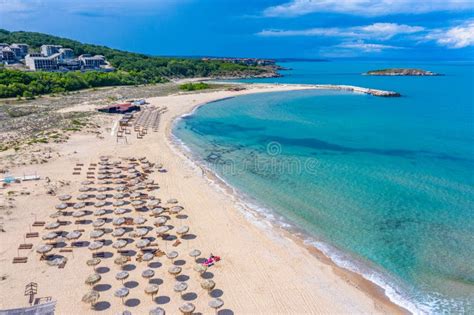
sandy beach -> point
(263, 270)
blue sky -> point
(405, 29)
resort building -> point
(38, 62)
(48, 50)
(8, 56)
(91, 62)
(20, 50)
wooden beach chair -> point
(32, 235)
(39, 223)
(25, 246)
(76, 173)
(20, 260)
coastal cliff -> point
(401, 72)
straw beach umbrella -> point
(100, 204)
(120, 211)
(161, 231)
(174, 270)
(78, 214)
(139, 220)
(160, 221)
(119, 203)
(122, 293)
(61, 206)
(172, 201)
(148, 273)
(118, 232)
(44, 249)
(201, 269)
(52, 225)
(182, 231)
(79, 205)
(83, 197)
(122, 275)
(96, 234)
(93, 262)
(180, 287)
(93, 279)
(98, 223)
(208, 285)
(99, 212)
(121, 261)
(187, 308)
(142, 243)
(152, 290)
(64, 197)
(157, 211)
(216, 304)
(195, 253)
(172, 255)
(91, 298)
(148, 256)
(157, 311)
(119, 244)
(50, 236)
(118, 221)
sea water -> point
(384, 186)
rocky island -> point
(402, 72)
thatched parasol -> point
(139, 220)
(152, 290)
(119, 196)
(176, 209)
(99, 212)
(172, 255)
(118, 221)
(172, 201)
(61, 206)
(137, 203)
(118, 232)
(148, 273)
(216, 304)
(175, 270)
(103, 189)
(180, 287)
(91, 297)
(160, 221)
(154, 203)
(56, 261)
(74, 235)
(122, 275)
(79, 205)
(52, 225)
(95, 245)
(120, 211)
(44, 248)
(78, 214)
(121, 261)
(50, 236)
(93, 262)
(148, 256)
(142, 243)
(157, 311)
(182, 230)
(119, 244)
(121, 188)
(56, 215)
(96, 233)
(121, 293)
(100, 204)
(158, 210)
(93, 279)
(118, 203)
(87, 182)
(140, 232)
(208, 285)
(83, 197)
(195, 253)
(187, 308)
(64, 197)
(162, 230)
(98, 223)
(84, 189)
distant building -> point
(48, 50)
(38, 62)
(66, 53)
(119, 108)
(8, 56)
(21, 50)
(91, 62)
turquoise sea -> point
(385, 186)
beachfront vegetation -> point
(194, 86)
(132, 68)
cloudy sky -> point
(398, 29)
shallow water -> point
(388, 181)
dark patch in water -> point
(313, 143)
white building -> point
(38, 62)
(48, 50)
(21, 50)
(91, 62)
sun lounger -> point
(79, 164)
(76, 173)
(31, 235)
(25, 246)
(20, 260)
(176, 243)
(77, 169)
(39, 223)
(65, 250)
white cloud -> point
(366, 47)
(455, 37)
(18, 6)
(366, 7)
(380, 31)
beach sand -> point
(263, 270)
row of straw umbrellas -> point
(129, 186)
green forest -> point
(132, 68)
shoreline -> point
(260, 272)
(358, 280)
